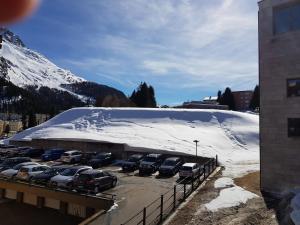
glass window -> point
(287, 19)
(293, 87)
(294, 127)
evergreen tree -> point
(144, 96)
(228, 99)
(24, 121)
(255, 101)
(7, 129)
(219, 96)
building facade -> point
(279, 69)
(242, 99)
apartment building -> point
(279, 69)
(242, 99)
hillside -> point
(30, 70)
(234, 136)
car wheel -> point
(96, 190)
(113, 183)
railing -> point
(100, 195)
(158, 210)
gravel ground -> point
(254, 212)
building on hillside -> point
(279, 70)
(210, 100)
(201, 105)
(242, 99)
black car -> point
(150, 164)
(170, 166)
(132, 163)
(101, 159)
(45, 177)
(11, 162)
(32, 152)
(94, 180)
(4, 146)
(16, 151)
(87, 156)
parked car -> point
(170, 166)
(10, 173)
(132, 163)
(190, 170)
(87, 156)
(44, 178)
(150, 164)
(94, 180)
(32, 152)
(11, 162)
(101, 159)
(65, 179)
(26, 173)
(4, 146)
(52, 154)
(73, 156)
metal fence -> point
(158, 210)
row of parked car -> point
(170, 166)
(82, 178)
(93, 159)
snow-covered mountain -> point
(27, 67)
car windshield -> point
(150, 159)
(169, 163)
(186, 168)
(133, 159)
(17, 167)
(50, 171)
(101, 156)
(24, 170)
(69, 172)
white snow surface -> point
(233, 136)
(31, 68)
(230, 197)
(223, 182)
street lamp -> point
(196, 141)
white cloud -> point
(202, 43)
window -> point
(287, 19)
(293, 87)
(294, 127)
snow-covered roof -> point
(233, 136)
(210, 98)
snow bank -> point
(230, 197)
(224, 182)
(233, 136)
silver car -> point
(65, 179)
(10, 173)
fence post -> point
(193, 185)
(217, 161)
(161, 207)
(144, 216)
(174, 198)
(184, 191)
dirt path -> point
(254, 212)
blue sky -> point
(186, 49)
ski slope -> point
(233, 136)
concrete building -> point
(279, 55)
(201, 105)
(242, 99)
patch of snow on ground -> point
(230, 197)
(224, 182)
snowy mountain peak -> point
(30, 68)
(11, 37)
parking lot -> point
(132, 192)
